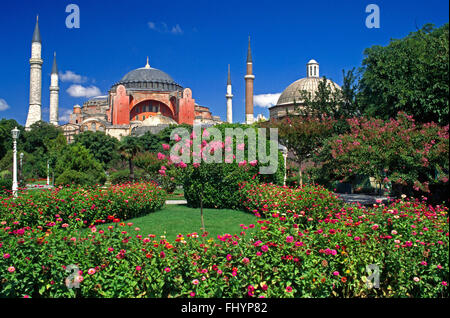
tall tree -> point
(410, 75)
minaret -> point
(34, 112)
(249, 78)
(229, 97)
(54, 92)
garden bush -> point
(308, 201)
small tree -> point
(128, 149)
(302, 135)
(101, 146)
(77, 165)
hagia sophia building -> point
(148, 99)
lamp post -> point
(284, 151)
(48, 173)
(15, 134)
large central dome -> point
(149, 78)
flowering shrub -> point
(216, 183)
(41, 207)
(282, 256)
(396, 152)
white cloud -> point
(72, 77)
(64, 115)
(266, 100)
(162, 27)
(177, 30)
(81, 91)
(3, 105)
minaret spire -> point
(34, 111)
(54, 93)
(37, 33)
(249, 52)
(249, 78)
(147, 66)
(229, 97)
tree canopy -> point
(410, 75)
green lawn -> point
(175, 219)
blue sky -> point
(194, 41)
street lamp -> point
(284, 151)
(15, 134)
(48, 173)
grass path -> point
(175, 219)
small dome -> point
(292, 94)
(312, 62)
(157, 120)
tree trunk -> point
(300, 175)
(130, 164)
(201, 215)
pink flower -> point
(166, 146)
(357, 238)
(229, 257)
(91, 271)
(161, 156)
(138, 268)
(65, 225)
(245, 260)
(288, 289)
(195, 281)
(196, 164)
(289, 239)
(416, 279)
(336, 273)
(264, 248)
(192, 294)
(11, 269)
(253, 163)
(6, 256)
(240, 146)
(167, 269)
(242, 163)
(444, 283)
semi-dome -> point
(149, 78)
(293, 93)
(157, 120)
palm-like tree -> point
(129, 148)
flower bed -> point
(43, 207)
(283, 256)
